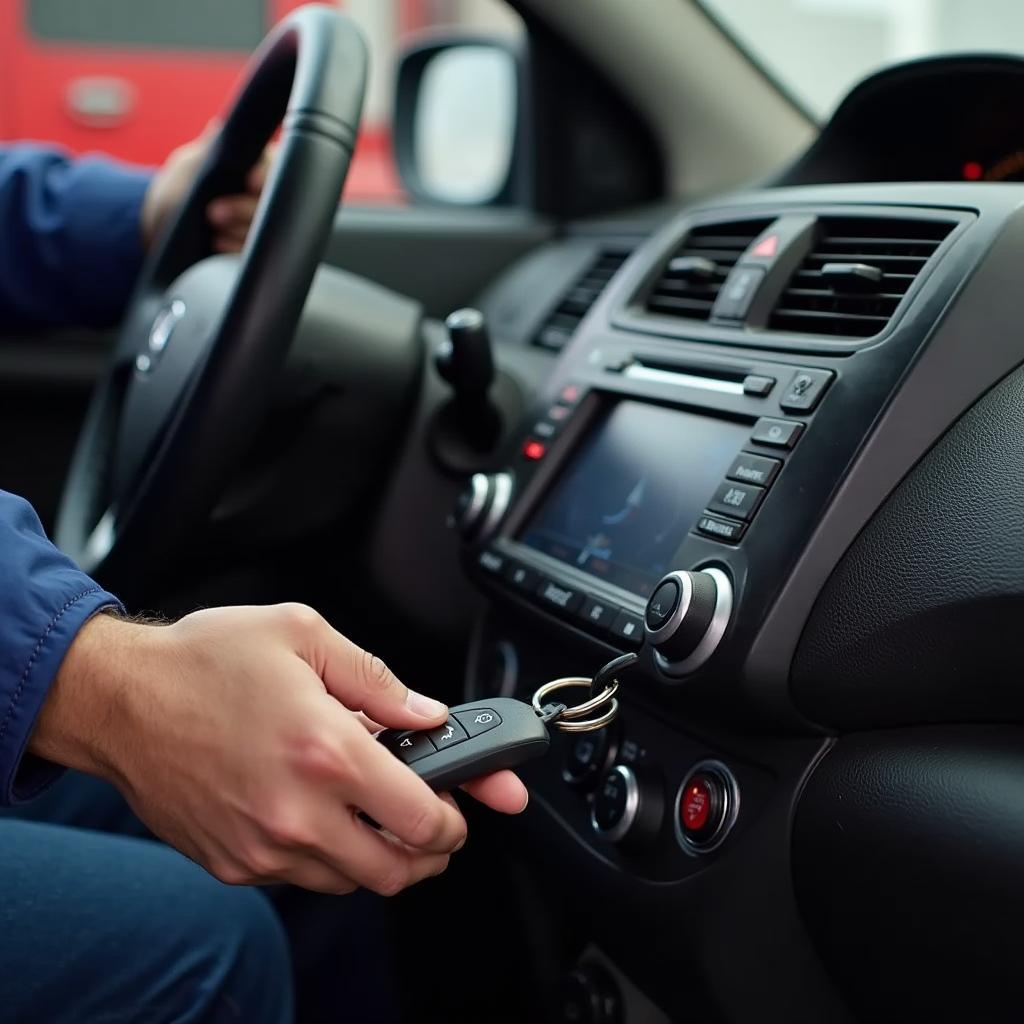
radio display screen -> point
(632, 491)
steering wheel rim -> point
(202, 342)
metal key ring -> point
(572, 718)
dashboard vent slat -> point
(689, 296)
(815, 303)
(560, 325)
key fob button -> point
(478, 720)
(409, 746)
(447, 735)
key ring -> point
(573, 719)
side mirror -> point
(458, 122)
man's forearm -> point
(70, 237)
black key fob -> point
(477, 739)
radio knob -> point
(481, 505)
(686, 618)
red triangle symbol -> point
(767, 246)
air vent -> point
(690, 282)
(856, 275)
(559, 327)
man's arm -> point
(242, 736)
(73, 232)
(44, 602)
(71, 240)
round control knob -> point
(628, 806)
(480, 506)
(686, 618)
(591, 996)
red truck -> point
(134, 78)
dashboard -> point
(771, 445)
(945, 119)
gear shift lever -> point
(466, 363)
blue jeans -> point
(108, 928)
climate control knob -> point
(686, 618)
(629, 805)
(481, 505)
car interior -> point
(741, 395)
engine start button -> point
(695, 807)
(706, 806)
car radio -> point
(630, 473)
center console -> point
(670, 494)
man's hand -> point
(229, 216)
(244, 737)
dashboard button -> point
(804, 391)
(534, 450)
(736, 499)
(597, 614)
(564, 598)
(776, 433)
(544, 429)
(588, 756)
(728, 530)
(738, 293)
(558, 413)
(701, 808)
(706, 807)
(759, 387)
(570, 394)
(629, 628)
(521, 576)
(662, 604)
(491, 561)
(754, 469)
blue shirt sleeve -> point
(44, 601)
(70, 238)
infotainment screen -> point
(632, 491)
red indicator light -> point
(973, 171)
(767, 247)
(696, 806)
(570, 394)
(533, 450)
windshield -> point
(818, 49)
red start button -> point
(702, 809)
(695, 808)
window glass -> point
(818, 49)
(135, 78)
(171, 24)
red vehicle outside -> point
(134, 78)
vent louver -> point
(856, 275)
(557, 330)
(691, 280)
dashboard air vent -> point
(690, 282)
(856, 274)
(559, 327)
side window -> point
(135, 78)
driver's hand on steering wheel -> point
(229, 216)
(244, 737)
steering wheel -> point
(204, 338)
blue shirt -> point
(70, 250)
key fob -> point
(478, 738)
